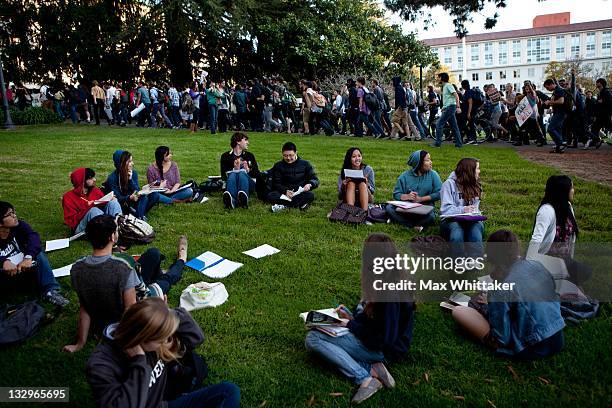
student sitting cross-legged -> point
(136, 361)
(165, 173)
(420, 184)
(288, 176)
(356, 191)
(239, 169)
(79, 203)
(525, 321)
(106, 284)
(379, 333)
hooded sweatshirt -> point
(113, 181)
(400, 93)
(452, 200)
(117, 380)
(427, 184)
(75, 202)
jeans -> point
(448, 115)
(73, 113)
(269, 123)
(154, 114)
(44, 275)
(470, 126)
(111, 208)
(222, 395)
(239, 182)
(212, 118)
(179, 195)
(465, 231)
(58, 108)
(347, 353)
(144, 115)
(410, 220)
(495, 115)
(150, 270)
(417, 122)
(555, 124)
(144, 204)
(377, 115)
(374, 127)
(175, 115)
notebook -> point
(213, 265)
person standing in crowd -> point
(450, 103)
(239, 100)
(144, 98)
(224, 105)
(307, 104)
(213, 95)
(470, 103)
(99, 96)
(413, 117)
(365, 111)
(382, 107)
(603, 114)
(555, 123)
(239, 169)
(175, 105)
(433, 102)
(531, 126)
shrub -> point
(32, 116)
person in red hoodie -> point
(79, 203)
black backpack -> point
(20, 322)
(477, 99)
(134, 231)
(371, 101)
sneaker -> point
(365, 392)
(54, 297)
(304, 207)
(228, 200)
(587, 144)
(383, 375)
(470, 142)
(278, 207)
(243, 199)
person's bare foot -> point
(182, 248)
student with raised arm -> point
(524, 321)
(79, 204)
(421, 184)
(239, 168)
(131, 367)
(379, 332)
(356, 192)
(165, 173)
(460, 194)
(124, 183)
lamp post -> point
(8, 122)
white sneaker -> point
(278, 207)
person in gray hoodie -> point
(132, 365)
(460, 196)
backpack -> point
(371, 101)
(187, 105)
(477, 99)
(263, 184)
(210, 185)
(185, 375)
(319, 100)
(20, 322)
(134, 231)
(377, 213)
(349, 214)
(568, 101)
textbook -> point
(148, 189)
(404, 204)
(354, 174)
(213, 265)
(181, 188)
(324, 320)
(475, 213)
(454, 300)
(105, 199)
(298, 191)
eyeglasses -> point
(10, 214)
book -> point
(456, 299)
(213, 265)
(298, 191)
(325, 321)
(181, 188)
(261, 251)
(105, 199)
(475, 213)
(354, 174)
(404, 204)
(148, 189)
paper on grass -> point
(56, 244)
(63, 271)
(213, 265)
(261, 251)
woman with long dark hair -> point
(460, 195)
(356, 191)
(379, 332)
(133, 365)
(165, 173)
(124, 183)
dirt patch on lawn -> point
(594, 165)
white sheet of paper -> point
(221, 269)
(298, 191)
(76, 236)
(56, 244)
(105, 199)
(261, 251)
(63, 271)
(16, 259)
(456, 215)
(404, 204)
(354, 174)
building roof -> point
(528, 32)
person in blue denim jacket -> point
(525, 321)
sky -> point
(518, 14)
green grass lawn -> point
(256, 339)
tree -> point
(585, 73)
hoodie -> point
(452, 200)
(427, 184)
(117, 380)
(113, 181)
(400, 93)
(75, 202)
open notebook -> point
(213, 265)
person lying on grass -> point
(379, 333)
(133, 365)
(165, 173)
(356, 192)
(524, 322)
(108, 284)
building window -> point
(516, 51)
(488, 54)
(538, 49)
(606, 66)
(517, 73)
(489, 76)
(516, 86)
(448, 57)
(575, 49)
(503, 53)
(606, 41)
(531, 72)
(475, 76)
(501, 86)
(560, 47)
(460, 77)
(502, 74)
(460, 56)
(475, 52)
(590, 45)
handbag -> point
(350, 214)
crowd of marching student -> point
(135, 363)
(444, 111)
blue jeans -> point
(410, 220)
(222, 395)
(176, 116)
(347, 353)
(73, 112)
(555, 127)
(239, 182)
(457, 233)
(44, 275)
(417, 122)
(448, 115)
(150, 270)
(373, 126)
(144, 204)
(179, 195)
(111, 208)
(212, 118)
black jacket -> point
(287, 176)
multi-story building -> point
(518, 55)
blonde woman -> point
(132, 365)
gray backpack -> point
(20, 322)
